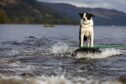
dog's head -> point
(86, 16)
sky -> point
(109, 4)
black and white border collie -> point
(86, 34)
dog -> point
(86, 33)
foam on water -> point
(13, 52)
(108, 52)
(61, 49)
(54, 80)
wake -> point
(52, 47)
(64, 48)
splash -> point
(108, 52)
(55, 48)
(54, 80)
(61, 49)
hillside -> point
(103, 16)
(29, 11)
(32, 11)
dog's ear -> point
(92, 15)
(81, 15)
(89, 15)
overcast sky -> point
(110, 4)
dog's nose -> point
(83, 18)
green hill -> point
(29, 11)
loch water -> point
(34, 54)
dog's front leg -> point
(82, 40)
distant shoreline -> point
(58, 24)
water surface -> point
(43, 55)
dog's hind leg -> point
(80, 38)
(92, 40)
(89, 42)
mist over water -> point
(36, 55)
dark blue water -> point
(44, 53)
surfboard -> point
(86, 50)
(96, 49)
